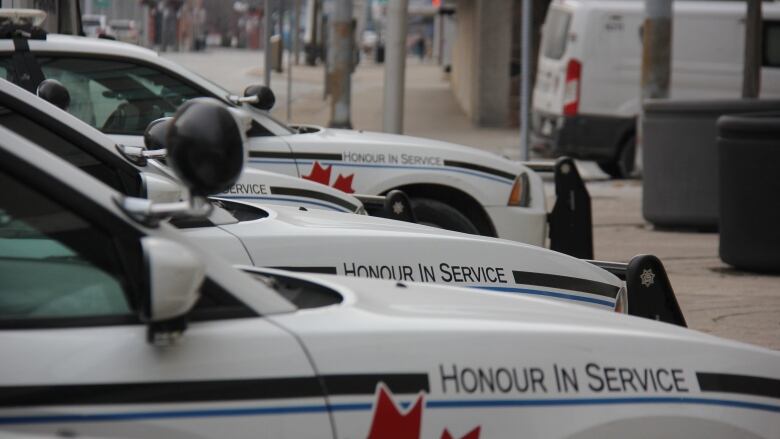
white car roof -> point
(71, 43)
(77, 45)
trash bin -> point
(680, 159)
(749, 149)
(379, 53)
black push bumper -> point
(571, 220)
(649, 292)
(395, 205)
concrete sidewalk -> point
(715, 299)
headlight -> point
(521, 192)
(621, 301)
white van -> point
(587, 92)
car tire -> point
(623, 165)
(438, 214)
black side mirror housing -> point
(265, 96)
(205, 146)
(154, 135)
(54, 92)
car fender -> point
(428, 363)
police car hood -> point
(368, 141)
(441, 323)
(426, 302)
(387, 249)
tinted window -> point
(555, 33)
(53, 263)
(77, 156)
(771, 44)
(117, 97)
(7, 70)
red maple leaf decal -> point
(390, 423)
(344, 184)
(319, 174)
(473, 434)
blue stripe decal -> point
(565, 296)
(598, 401)
(136, 416)
(359, 407)
(292, 200)
(361, 165)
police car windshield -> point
(271, 125)
(117, 97)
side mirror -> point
(259, 96)
(174, 277)
(54, 92)
(205, 149)
(154, 135)
(205, 146)
(154, 143)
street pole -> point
(751, 70)
(395, 65)
(525, 80)
(657, 49)
(296, 40)
(280, 14)
(280, 23)
(294, 30)
(656, 61)
(340, 60)
(267, 43)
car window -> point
(7, 69)
(44, 137)
(54, 264)
(555, 33)
(117, 97)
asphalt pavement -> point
(714, 297)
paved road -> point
(714, 298)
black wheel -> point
(442, 215)
(623, 165)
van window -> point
(555, 33)
(771, 44)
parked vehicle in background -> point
(120, 88)
(94, 25)
(587, 94)
(125, 30)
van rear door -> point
(551, 87)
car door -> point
(120, 97)
(76, 360)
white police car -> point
(120, 88)
(325, 242)
(112, 324)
